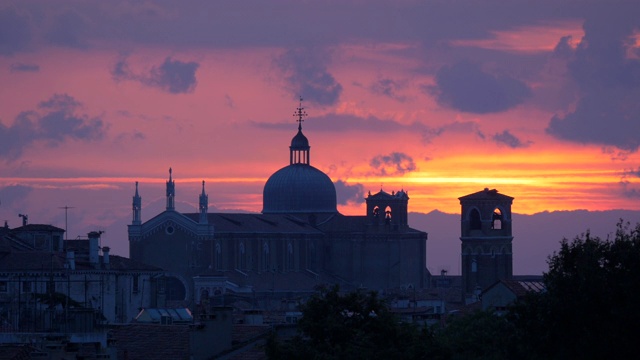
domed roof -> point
(299, 142)
(299, 188)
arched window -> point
(387, 215)
(376, 212)
(496, 222)
(474, 219)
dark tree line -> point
(590, 310)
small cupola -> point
(299, 149)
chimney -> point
(71, 260)
(105, 256)
(94, 239)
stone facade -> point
(70, 290)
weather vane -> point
(300, 114)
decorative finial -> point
(203, 186)
(300, 114)
(170, 171)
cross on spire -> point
(300, 114)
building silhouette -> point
(486, 235)
(299, 241)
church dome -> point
(299, 188)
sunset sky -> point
(538, 99)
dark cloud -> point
(15, 31)
(21, 67)
(56, 120)
(508, 139)
(13, 194)
(306, 75)
(173, 76)
(346, 122)
(395, 163)
(608, 111)
(388, 88)
(458, 127)
(228, 100)
(346, 193)
(628, 188)
(466, 87)
(69, 30)
(564, 48)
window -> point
(26, 286)
(496, 223)
(3, 286)
(135, 284)
(474, 219)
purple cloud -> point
(346, 193)
(608, 110)
(306, 75)
(396, 163)
(389, 88)
(15, 31)
(465, 86)
(55, 121)
(22, 67)
(173, 76)
(506, 138)
(68, 29)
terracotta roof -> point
(145, 341)
(32, 260)
(520, 288)
(37, 227)
(45, 260)
(357, 224)
(251, 223)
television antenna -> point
(66, 224)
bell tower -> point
(486, 239)
(388, 211)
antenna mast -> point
(66, 224)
